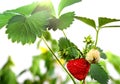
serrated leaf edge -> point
(77, 17)
(72, 19)
(102, 26)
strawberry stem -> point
(97, 33)
(64, 34)
(84, 81)
(58, 60)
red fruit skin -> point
(79, 68)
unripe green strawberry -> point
(78, 68)
(93, 56)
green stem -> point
(64, 34)
(97, 33)
(58, 60)
(84, 81)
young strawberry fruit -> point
(93, 56)
(78, 68)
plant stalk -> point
(58, 60)
(97, 33)
(84, 81)
(64, 34)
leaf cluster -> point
(7, 75)
(67, 49)
(26, 23)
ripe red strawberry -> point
(78, 68)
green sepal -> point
(67, 49)
(102, 54)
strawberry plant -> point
(36, 21)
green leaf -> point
(65, 3)
(67, 49)
(27, 81)
(62, 22)
(45, 5)
(102, 54)
(53, 23)
(35, 70)
(87, 21)
(114, 60)
(53, 81)
(116, 81)
(38, 22)
(54, 45)
(103, 21)
(26, 29)
(66, 20)
(8, 64)
(4, 18)
(98, 73)
(8, 77)
(63, 43)
(47, 36)
(18, 30)
(24, 10)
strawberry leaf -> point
(4, 18)
(67, 49)
(114, 60)
(24, 10)
(103, 21)
(53, 23)
(102, 54)
(66, 20)
(62, 22)
(8, 64)
(25, 29)
(98, 73)
(65, 3)
(45, 5)
(88, 21)
(35, 69)
(7, 76)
